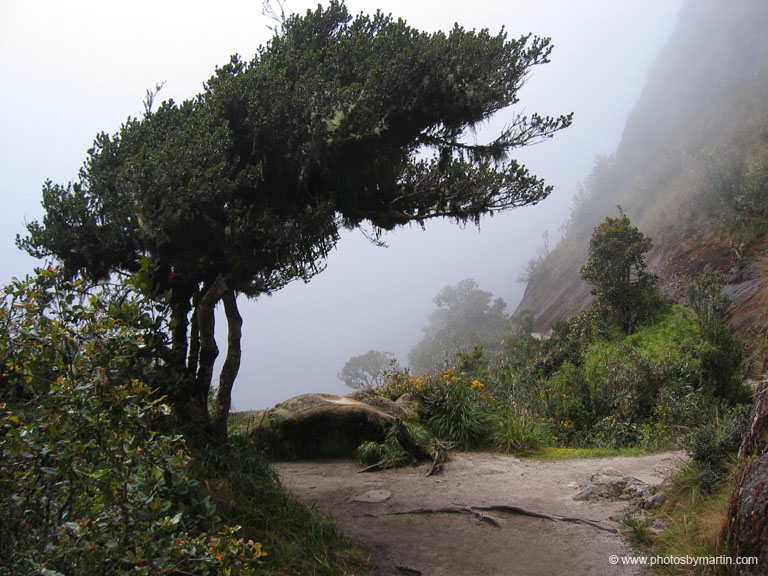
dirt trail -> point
(467, 543)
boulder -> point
(611, 484)
(412, 406)
(318, 426)
(380, 403)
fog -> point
(71, 70)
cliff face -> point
(691, 172)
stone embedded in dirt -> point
(373, 496)
(318, 426)
(610, 484)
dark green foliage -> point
(595, 385)
(713, 446)
(370, 452)
(392, 452)
(589, 384)
(473, 364)
(718, 351)
(454, 409)
(89, 481)
(616, 268)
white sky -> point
(72, 69)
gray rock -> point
(373, 497)
(611, 484)
(318, 426)
(380, 403)
(411, 405)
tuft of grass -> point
(369, 453)
(694, 518)
(464, 423)
(391, 453)
(515, 431)
(638, 530)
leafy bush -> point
(456, 408)
(714, 444)
(89, 483)
(612, 432)
(717, 351)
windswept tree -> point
(338, 122)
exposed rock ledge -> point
(321, 425)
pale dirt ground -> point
(462, 544)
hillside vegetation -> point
(691, 172)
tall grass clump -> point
(514, 430)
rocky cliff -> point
(691, 172)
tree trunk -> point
(194, 345)
(200, 422)
(231, 365)
(179, 323)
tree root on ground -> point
(479, 513)
(407, 569)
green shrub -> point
(718, 352)
(89, 483)
(456, 409)
(713, 446)
(612, 432)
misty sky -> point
(73, 69)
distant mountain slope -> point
(691, 172)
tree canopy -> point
(616, 268)
(367, 370)
(337, 122)
(466, 317)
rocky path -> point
(473, 519)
